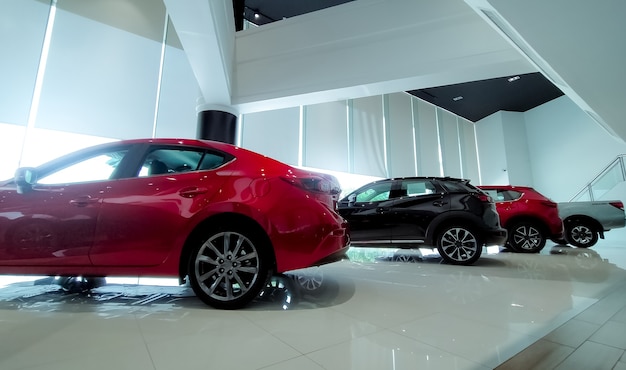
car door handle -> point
(84, 201)
(439, 203)
(192, 192)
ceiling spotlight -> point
(514, 78)
(256, 15)
(457, 98)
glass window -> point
(496, 195)
(98, 167)
(374, 193)
(170, 160)
(416, 187)
(511, 194)
(459, 186)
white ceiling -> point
(369, 47)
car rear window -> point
(509, 194)
(459, 187)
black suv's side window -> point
(457, 187)
(375, 193)
(413, 188)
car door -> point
(53, 222)
(144, 217)
(413, 211)
(365, 211)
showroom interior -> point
(329, 90)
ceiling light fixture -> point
(514, 78)
(457, 98)
(256, 15)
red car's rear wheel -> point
(228, 267)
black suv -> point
(443, 212)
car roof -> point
(505, 187)
(441, 178)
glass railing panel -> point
(612, 176)
(582, 196)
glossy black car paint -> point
(405, 220)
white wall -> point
(100, 83)
(516, 146)
(567, 148)
(491, 150)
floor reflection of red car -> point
(529, 217)
(224, 217)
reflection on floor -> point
(382, 309)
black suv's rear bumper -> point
(495, 236)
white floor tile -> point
(372, 312)
(591, 356)
(390, 351)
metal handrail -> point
(589, 186)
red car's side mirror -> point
(24, 178)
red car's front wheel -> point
(526, 237)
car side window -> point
(175, 160)
(98, 167)
(496, 195)
(375, 193)
(512, 195)
(416, 187)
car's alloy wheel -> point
(580, 235)
(228, 268)
(459, 245)
(526, 237)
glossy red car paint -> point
(135, 224)
(528, 216)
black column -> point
(217, 125)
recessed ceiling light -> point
(514, 78)
(457, 98)
(256, 15)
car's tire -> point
(459, 245)
(228, 267)
(580, 234)
(526, 237)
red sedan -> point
(529, 217)
(224, 217)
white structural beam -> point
(578, 45)
(206, 29)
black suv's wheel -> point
(526, 237)
(459, 245)
(228, 267)
(580, 234)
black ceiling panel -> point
(479, 99)
(266, 11)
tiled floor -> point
(561, 309)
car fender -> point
(451, 217)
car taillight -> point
(484, 197)
(549, 204)
(617, 204)
(314, 184)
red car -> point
(529, 217)
(224, 217)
